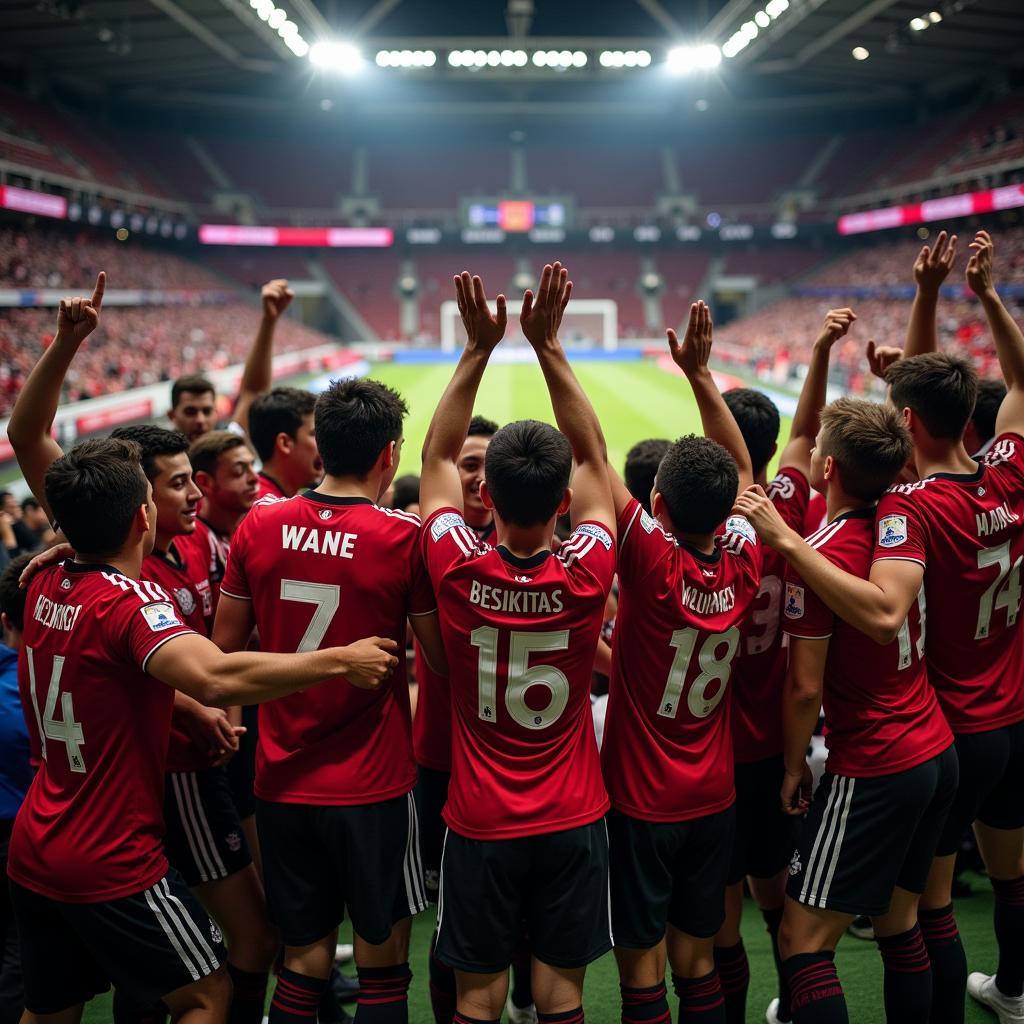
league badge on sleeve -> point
(445, 523)
(794, 608)
(160, 616)
(892, 531)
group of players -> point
(293, 588)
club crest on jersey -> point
(892, 531)
(325, 514)
(66, 584)
(234, 841)
(444, 524)
(794, 601)
(160, 616)
(795, 864)
(186, 602)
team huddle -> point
(168, 851)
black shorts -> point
(431, 795)
(204, 838)
(863, 837)
(765, 835)
(554, 885)
(147, 945)
(668, 872)
(319, 861)
(241, 769)
(991, 786)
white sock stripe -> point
(812, 859)
(155, 906)
(204, 822)
(190, 927)
(186, 825)
(827, 847)
(843, 818)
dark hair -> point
(278, 411)
(407, 491)
(94, 492)
(642, 461)
(192, 383)
(986, 407)
(28, 503)
(869, 442)
(480, 426)
(6, 494)
(153, 442)
(12, 596)
(207, 450)
(527, 469)
(355, 420)
(698, 479)
(938, 388)
(758, 419)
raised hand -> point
(933, 265)
(541, 315)
(979, 266)
(276, 297)
(693, 354)
(372, 661)
(78, 317)
(881, 357)
(837, 323)
(483, 329)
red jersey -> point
(967, 530)
(184, 576)
(269, 487)
(92, 824)
(432, 725)
(760, 667)
(817, 514)
(881, 714)
(323, 572)
(211, 548)
(667, 752)
(520, 636)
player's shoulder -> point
(849, 537)
(1006, 448)
(587, 537)
(788, 484)
(736, 537)
(636, 522)
(401, 522)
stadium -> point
(239, 250)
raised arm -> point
(257, 374)
(931, 268)
(715, 416)
(540, 318)
(1005, 333)
(440, 485)
(807, 419)
(36, 407)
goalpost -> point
(587, 324)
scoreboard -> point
(516, 216)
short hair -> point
(12, 596)
(29, 503)
(698, 481)
(481, 426)
(192, 383)
(527, 469)
(986, 407)
(407, 491)
(95, 491)
(940, 389)
(869, 442)
(153, 441)
(278, 411)
(355, 420)
(758, 419)
(641, 469)
(207, 450)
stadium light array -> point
(406, 58)
(683, 60)
(488, 58)
(277, 19)
(559, 59)
(749, 30)
(624, 58)
(336, 56)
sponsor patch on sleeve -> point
(647, 522)
(892, 531)
(741, 525)
(444, 523)
(160, 615)
(794, 607)
(593, 530)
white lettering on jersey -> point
(709, 602)
(56, 616)
(782, 487)
(520, 602)
(1001, 452)
(330, 542)
(995, 520)
(593, 530)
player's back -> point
(667, 753)
(92, 823)
(968, 532)
(520, 635)
(326, 571)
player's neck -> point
(162, 542)
(703, 542)
(127, 562)
(277, 471)
(350, 487)
(838, 503)
(221, 520)
(932, 457)
(480, 522)
(524, 541)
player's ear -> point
(284, 443)
(142, 522)
(658, 507)
(828, 468)
(485, 496)
(202, 480)
(566, 502)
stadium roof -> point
(221, 54)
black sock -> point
(816, 997)
(772, 919)
(296, 997)
(949, 964)
(645, 1005)
(908, 978)
(249, 996)
(700, 999)
(384, 994)
(569, 1017)
(1009, 924)
(734, 975)
(442, 987)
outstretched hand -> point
(693, 354)
(979, 266)
(541, 315)
(483, 329)
(881, 357)
(933, 265)
(78, 317)
(837, 323)
(276, 297)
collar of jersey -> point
(702, 556)
(961, 478)
(333, 499)
(523, 563)
(856, 513)
(270, 479)
(175, 560)
(69, 565)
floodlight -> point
(337, 56)
(861, 53)
(762, 19)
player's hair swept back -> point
(641, 469)
(940, 389)
(12, 596)
(192, 384)
(481, 426)
(278, 411)
(527, 469)
(153, 442)
(698, 480)
(94, 492)
(869, 442)
(207, 450)
(986, 407)
(758, 419)
(355, 420)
